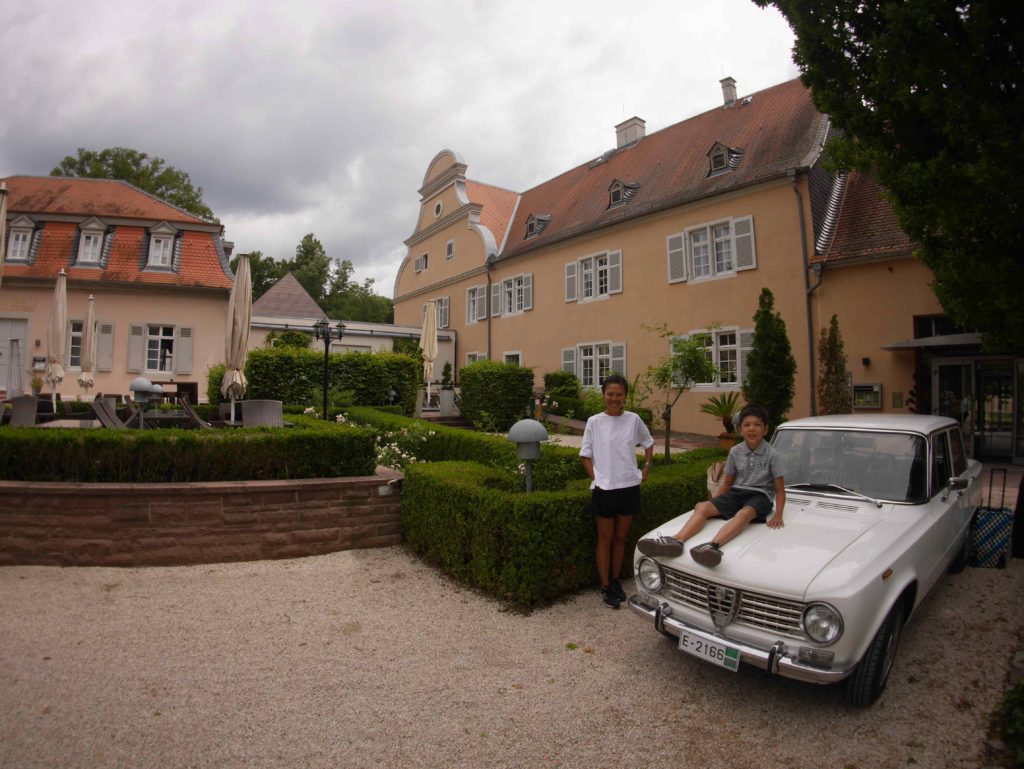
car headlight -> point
(650, 574)
(823, 623)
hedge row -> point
(494, 395)
(310, 449)
(528, 548)
(583, 409)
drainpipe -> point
(492, 259)
(808, 289)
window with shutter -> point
(496, 303)
(136, 348)
(676, 258)
(569, 359)
(183, 353)
(615, 272)
(570, 282)
(449, 249)
(528, 291)
(105, 347)
(743, 234)
(442, 311)
(713, 250)
(481, 303)
(618, 362)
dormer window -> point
(19, 243)
(620, 193)
(161, 245)
(535, 224)
(90, 244)
(723, 159)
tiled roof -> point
(867, 227)
(89, 197)
(775, 129)
(50, 201)
(287, 299)
(498, 206)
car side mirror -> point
(957, 484)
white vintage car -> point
(878, 508)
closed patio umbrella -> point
(85, 379)
(237, 334)
(57, 335)
(428, 343)
(3, 226)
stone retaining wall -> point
(150, 524)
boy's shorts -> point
(615, 502)
(735, 500)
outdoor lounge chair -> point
(194, 419)
(262, 414)
(23, 410)
(107, 416)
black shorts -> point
(616, 502)
(735, 500)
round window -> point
(438, 208)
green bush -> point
(585, 408)
(562, 383)
(494, 395)
(214, 377)
(528, 548)
(310, 449)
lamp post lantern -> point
(323, 330)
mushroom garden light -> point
(527, 435)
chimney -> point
(629, 131)
(728, 91)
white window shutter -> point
(569, 359)
(442, 312)
(481, 303)
(614, 272)
(104, 346)
(570, 282)
(183, 351)
(495, 299)
(417, 265)
(746, 340)
(470, 305)
(618, 358)
(136, 348)
(528, 291)
(743, 240)
(676, 249)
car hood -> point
(784, 561)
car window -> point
(942, 469)
(956, 451)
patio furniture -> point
(262, 413)
(194, 420)
(107, 416)
(23, 410)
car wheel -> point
(963, 557)
(869, 677)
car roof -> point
(916, 423)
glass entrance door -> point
(953, 395)
(996, 409)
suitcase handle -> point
(991, 478)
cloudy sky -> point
(322, 117)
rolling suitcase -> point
(990, 530)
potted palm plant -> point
(723, 407)
(446, 398)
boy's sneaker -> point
(707, 554)
(668, 547)
(616, 588)
(611, 600)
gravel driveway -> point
(371, 659)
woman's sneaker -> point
(667, 547)
(619, 592)
(611, 600)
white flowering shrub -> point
(398, 448)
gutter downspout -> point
(808, 289)
(491, 261)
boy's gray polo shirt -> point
(755, 470)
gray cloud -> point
(309, 117)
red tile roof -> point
(498, 206)
(51, 201)
(867, 227)
(776, 129)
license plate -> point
(720, 654)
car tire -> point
(866, 683)
(963, 556)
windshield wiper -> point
(832, 487)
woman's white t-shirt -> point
(610, 443)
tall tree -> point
(311, 267)
(833, 390)
(928, 95)
(771, 367)
(349, 300)
(151, 174)
(264, 270)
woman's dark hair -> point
(615, 379)
(753, 410)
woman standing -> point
(608, 454)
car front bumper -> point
(776, 659)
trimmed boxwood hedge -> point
(310, 449)
(528, 548)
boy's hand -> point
(775, 522)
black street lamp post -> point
(322, 329)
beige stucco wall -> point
(204, 312)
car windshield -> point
(880, 465)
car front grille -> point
(760, 611)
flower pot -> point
(446, 402)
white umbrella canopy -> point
(85, 378)
(3, 226)
(237, 335)
(428, 342)
(57, 335)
